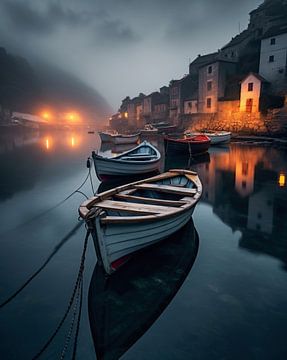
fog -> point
(121, 47)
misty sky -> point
(121, 47)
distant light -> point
(46, 115)
(72, 141)
(120, 116)
(126, 114)
(282, 180)
(47, 143)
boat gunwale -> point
(117, 159)
(87, 208)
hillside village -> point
(241, 88)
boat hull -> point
(119, 241)
(106, 167)
(123, 307)
(105, 137)
(119, 140)
(219, 139)
(174, 146)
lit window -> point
(209, 85)
(272, 41)
(209, 69)
(271, 58)
(208, 103)
(250, 86)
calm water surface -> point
(233, 302)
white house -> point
(250, 92)
(273, 57)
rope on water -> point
(71, 301)
(37, 272)
(78, 323)
(89, 176)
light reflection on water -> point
(233, 304)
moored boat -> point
(119, 139)
(123, 307)
(106, 136)
(164, 128)
(190, 145)
(132, 217)
(216, 137)
(149, 130)
(143, 159)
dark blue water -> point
(233, 302)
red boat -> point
(192, 145)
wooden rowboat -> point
(143, 159)
(123, 307)
(216, 137)
(119, 139)
(132, 217)
(191, 145)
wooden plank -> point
(134, 207)
(183, 171)
(150, 200)
(166, 188)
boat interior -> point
(142, 153)
(164, 196)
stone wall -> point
(229, 118)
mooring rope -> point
(71, 301)
(49, 258)
(78, 322)
(89, 176)
(69, 334)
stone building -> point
(212, 79)
(156, 106)
(273, 58)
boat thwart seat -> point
(167, 188)
(134, 207)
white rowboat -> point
(143, 159)
(119, 139)
(216, 137)
(106, 136)
(132, 217)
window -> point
(250, 86)
(272, 41)
(189, 104)
(209, 69)
(271, 58)
(208, 103)
(209, 85)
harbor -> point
(232, 265)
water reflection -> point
(122, 307)
(25, 158)
(247, 190)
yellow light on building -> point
(126, 114)
(282, 180)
